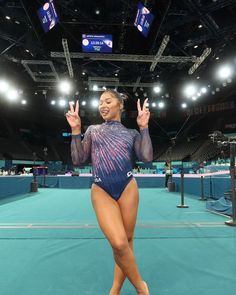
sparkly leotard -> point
(111, 147)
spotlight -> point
(190, 90)
(161, 105)
(23, 101)
(53, 102)
(95, 87)
(157, 89)
(154, 104)
(95, 103)
(62, 102)
(3, 86)
(184, 105)
(203, 90)
(194, 98)
(225, 72)
(65, 87)
(83, 103)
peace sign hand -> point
(73, 118)
(143, 114)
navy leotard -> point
(111, 146)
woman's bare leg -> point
(128, 203)
(110, 220)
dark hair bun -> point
(124, 96)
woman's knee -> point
(119, 246)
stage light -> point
(12, 95)
(8, 17)
(95, 87)
(23, 101)
(62, 102)
(154, 104)
(157, 89)
(3, 86)
(190, 90)
(161, 105)
(83, 103)
(225, 72)
(94, 103)
(203, 90)
(194, 98)
(71, 102)
(184, 105)
(53, 102)
(65, 87)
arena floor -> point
(51, 244)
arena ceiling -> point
(184, 33)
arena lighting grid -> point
(153, 59)
(41, 77)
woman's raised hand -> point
(73, 117)
(143, 114)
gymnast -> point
(114, 191)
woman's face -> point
(110, 107)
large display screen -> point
(97, 43)
(48, 16)
(144, 19)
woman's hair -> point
(120, 96)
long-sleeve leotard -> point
(111, 147)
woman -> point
(114, 192)
(168, 172)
